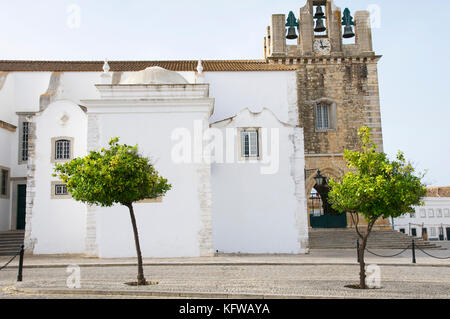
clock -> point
(322, 46)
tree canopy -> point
(117, 175)
(376, 186)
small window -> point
(62, 149)
(413, 232)
(402, 230)
(250, 143)
(61, 189)
(438, 212)
(4, 182)
(446, 212)
(431, 213)
(24, 141)
(423, 213)
(323, 116)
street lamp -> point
(320, 180)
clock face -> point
(322, 46)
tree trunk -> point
(140, 277)
(362, 264)
(362, 249)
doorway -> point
(320, 217)
(21, 206)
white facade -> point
(235, 207)
(259, 206)
(431, 220)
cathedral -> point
(243, 142)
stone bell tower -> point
(337, 80)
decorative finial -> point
(106, 67)
(200, 67)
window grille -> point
(62, 149)
(24, 141)
(322, 116)
(61, 189)
(250, 143)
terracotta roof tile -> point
(128, 66)
(438, 191)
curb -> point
(168, 294)
(37, 266)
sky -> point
(411, 35)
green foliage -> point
(114, 175)
(376, 186)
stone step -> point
(378, 239)
(10, 242)
(8, 253)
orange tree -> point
(116, 175)
(375, 187)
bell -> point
(320, 26)
(348, 32)
(291, 34)
(319, 13)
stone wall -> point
(351, 86)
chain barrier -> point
(432, 255)
(10, 261)
(391, 255)
(20, 253)
(413, 248)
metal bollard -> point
(22, 251)
(413, 252)
(357, 250)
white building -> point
(431, 221)
(243, 191)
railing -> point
(413, 247)
(20, 253)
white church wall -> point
(235, 91)
(166, 229)
(260, 213)
(178, 226)
(5, 161)
(57, 225)
(28, 88)
(74, 86)
(7, 98)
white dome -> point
(155, 75)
